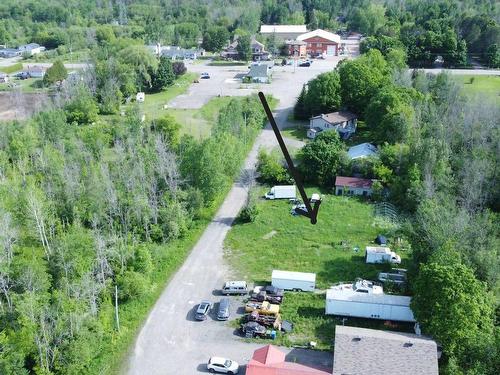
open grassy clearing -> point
(153, 105)
(278, 240)
(487, 86)
(29, 85)
(11, 68)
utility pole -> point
(116, 309)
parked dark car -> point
(202, 310)
(223, 310)
(263, 296)
(305, 64)
(253, 329)
(274, 291)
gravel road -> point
(170, 341)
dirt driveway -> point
(171, 342)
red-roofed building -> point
(353, 186)
(271, 361)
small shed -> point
(259, 73)
(140, 97)
(4, 78)
(381, 240)
(361, 151)
(353, 186)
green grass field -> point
(11, 68)
(153, 106)
(29, 85)
(278, 240)
(488, 86)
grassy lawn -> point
(11, 68)
(295, 132)
(278, 240)
(488, 86)
(198, 123)
(29, 85)
(153, 104)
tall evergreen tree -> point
(300, 111)
(164, 76)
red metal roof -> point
(354, 182)
(271, 361)
(268, 354)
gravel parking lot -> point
(171, 341)
(226, 81)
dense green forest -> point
(427, 29)
(74, 225)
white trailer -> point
(353, 300)
(282, 192)
(297, 281)
(380, 254)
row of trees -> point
(427, 29)
(74, 226)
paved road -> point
(171, 342)
(478, 72)
(48, 65)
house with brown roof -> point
(269, 360)
(353, 186)
(259, 52)
(344, 122)
(363, 351)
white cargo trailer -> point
(358, 301)
(282, 192)
(379, 254)
(298, 281)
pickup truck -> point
(262, 308)
(264, 296)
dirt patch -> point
(19, 106)
(269, 235)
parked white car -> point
(222, 365)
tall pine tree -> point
(164, 76)
(300, 111)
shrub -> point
(132, 285)
(179, 68)
(248, 214)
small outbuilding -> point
(140, 97)
(361, 151)
(4, 78)
(269, 360)
(259, 73)
(353, 186)
(381, 240)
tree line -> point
(451, 29)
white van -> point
(235, 287)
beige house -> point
(344, 122)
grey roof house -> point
(362, 351)
(259, 73)
(9, 52)
(343, 122)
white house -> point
(259, 73)
(31, 48)
(361, 151)
(4, 78)
(344, 122)
(353, 186)
(36, 71)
